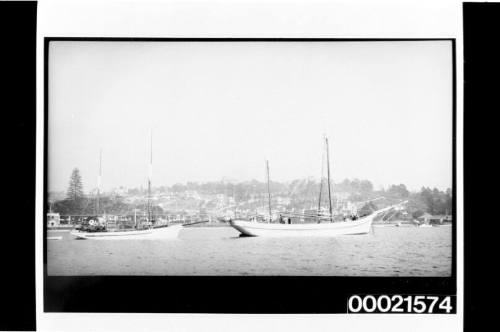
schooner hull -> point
(359, 226)
(170, 232)
(248, 228)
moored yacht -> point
(149, 230)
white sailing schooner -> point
(352, 227)
(325, 226)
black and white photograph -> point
(306, 165)
(263, 157)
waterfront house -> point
(53, 219)
(434, 219)
(439, 219)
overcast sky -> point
(218, 110)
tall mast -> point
(235, 205)
(329, 189)
(150, 177)
(268, 190)
(321, 181)
(99, 183)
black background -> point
(18, 116)
(248, 294)
(17, 59)
(481, 26)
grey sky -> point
(219, 109)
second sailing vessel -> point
(151, 231)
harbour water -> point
(387, 251)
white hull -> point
(359, 226)
(249, 228)
(170, 232)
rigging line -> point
(328, 168)
(97, 207)
(321, 180)
(268, 190)
(150, 176)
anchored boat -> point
(324, 226)
(166, 232)
(352, 227)
(101, 232)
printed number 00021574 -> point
(418, 304)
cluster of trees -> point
(75, 199)
(435, 201)
(355, 186)
(397, 191)
(432, 201)
(77, 203)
